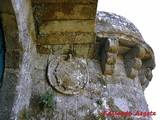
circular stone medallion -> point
(68, 77)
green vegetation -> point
(25, 114)
(99, 102)
(46, 101)
(28, 115)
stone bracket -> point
(145, 76)
(108, 55)
(132, 61)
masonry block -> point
(67, 26)
(65, 38)
(13, 59)
(82, 50)
(66, 11)
(44, 49)
(10, 80)
(64, 1)
(6, 102)
(6, 7)
(60, 49)
(11, 31)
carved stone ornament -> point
(119, 37)
(68, 77)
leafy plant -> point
(28, 115)
(47, 101)
(25, 114)
(99, 102)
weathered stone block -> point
(109, 69)
(6, 102)
(13, 59)
(39, 75)
(9, 22)
(39, 85)
(111, 58)
(112, 80)
(94, 51)
(67, 26)
(60, 49)
(115, 90)
(82, 50)
(44, 49)
(41, 61)
(126, 82)
(119, 70)
(64, 1)
(84, 38)
(68, 38)
(123, 50)
(10, 31)
(137, 63)
(65, 11)
(10, 80)
(5, 114)
(6, 6)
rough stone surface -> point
(60, 49)
(110, 22)
(67, 26)
(75, 87)
(118, 91)
(64, 23)
(13, 59)
(11, 33)
(65, 11)
(19, 32)
(44, 49)
(65, 38)
(7, 7)
(134, 50)
(65, 1)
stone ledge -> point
(86, 50)
(66, 38)
(64, 1)
(44, 49)
(64, 11)
(67, 26)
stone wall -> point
(63, 26)
(117, 92)
(61, 65)
(115, 82)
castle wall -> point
(59, 48)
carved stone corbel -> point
(145, 74)
(132, 61)
(108, 55)
(119, 38)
